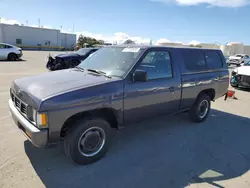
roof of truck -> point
(155, 46)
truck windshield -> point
(114, 61)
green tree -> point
(129, 41)
(195, 45)
(87, 42)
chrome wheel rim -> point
(91, 141)
(203, 109)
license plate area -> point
(27, 133)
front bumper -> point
(239, 83)
(19, 55)
(234, 62)
(38, 138)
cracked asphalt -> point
(167, 152)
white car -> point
(238, 59)
(241, 76)
(10, 52)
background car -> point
(70, 60)
(241, 76)
(238, 59)
(10, 52)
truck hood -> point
(34, 89)
(244, 70)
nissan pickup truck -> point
(115, 87)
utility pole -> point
(38, 22)
(73, 27)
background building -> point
(228, 49)
(36, 37)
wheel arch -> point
(209, 92)
(108, 114)
(12, 53)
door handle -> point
(172, 89)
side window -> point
(246, 57)
(6, 46)
(157, 64)
(2, 46)
(213, 60)
(194, 60)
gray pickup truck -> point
(115, 87)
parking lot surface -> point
(166, 152)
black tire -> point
(73, 63)
(195, 113)
(75, 134)
(12, 57)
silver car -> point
(10, 52)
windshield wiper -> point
(98, 72)
(79, 68)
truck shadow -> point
(167, 152)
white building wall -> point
(67, 40)
(247, 50)
(32, 36)
(210, 46)
(29, 35)
(225, 50)
(1, 34)
(236, 48)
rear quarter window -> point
(194, 60)
(213, 60)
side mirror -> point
(140, 76)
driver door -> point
(159, 95)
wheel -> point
(199, 112)
(73, 63)
(88, 140)
(12, 57)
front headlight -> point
(234, 73)
(41, 120)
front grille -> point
(23, 108)
(20, 105)
(245, 78)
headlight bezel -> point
(40, 119)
